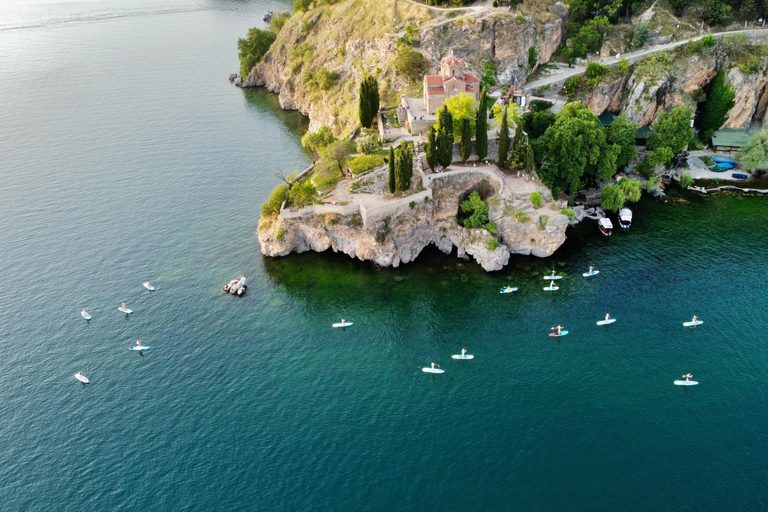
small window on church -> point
(455, 88)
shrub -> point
(521, 216)
(411, 64)
(302, 194)
(495, 3)
(253, 48)
(368, 145)
(272, 205)
(536, 199)
(280, 234)
(641, 34)
(321, 78)
(686, 181)
(543, 219)
(540, 105)
(412, 204)
(315, 141)
(493, 244)
(570, 87)
(569, 213)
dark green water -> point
(127, 156)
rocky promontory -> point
(390, 230)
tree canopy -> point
(462, 107)
(473, 213)
(315, 141)
(253, 48)
(444, 137)
(672, 130)
(501, 161)
(411, 64)
(368, 101)
(481, 128)
(337, 151)
(754, 156)
(622, 133)
(575, 150)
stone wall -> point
(318, 209)
(373, 215)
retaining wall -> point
(318, 209)
(376, 214)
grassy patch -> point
(326, 175)
(360, 164)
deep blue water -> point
(126, 155)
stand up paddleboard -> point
(124, 310)
(82, 378)
(551, 288)
(555, 335)
(85, 315)
(552, 278)
(593, 273)
(692, 324)
(140, 348)
(508, 290)
(459, 356)
(606, 322)
(149, 286)
(432, 370)
(342, 324)
(686, 383)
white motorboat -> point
(625, 218)
(605, 225)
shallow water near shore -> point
(127, 156)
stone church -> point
(451, 81)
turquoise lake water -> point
(126, 155)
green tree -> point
(719, 102)
(519, 149)
(481, 128)
(466, 140)
(660, 156)
(315, 141)
(445, 138)
(337, 151)
(411, 64)
(473, 213)
(717, 12)
(272, 205)
(537, 123)
(632, 189)
(488, 79)
(392, 180)
(641, 34)
(252, 49)
(303, 193)
(622, 133)
(613, 197)
(430, 149)
(461, 106)
(672, 130)
(575, 151)
(503, 141)
(369, 101)
(754, 155)
(533, 58)
(404, 167)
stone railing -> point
(375, 214)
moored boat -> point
(268, 16)
(625, 218)
(605, 225)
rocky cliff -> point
(354, 37)
(664, 81)
(400, 237)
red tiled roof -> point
(435, 91)
(452, 79)
(470, 77)
(434, 79)
(471, 89)
(453, 59)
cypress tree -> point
(404, 167)
(503, 141)
(519, 149)
(369, 101)
(481, 129)
(529, 159)
(466, 140)
(392, 184)
(445, 138)
(431, 149)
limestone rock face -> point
(751, 92)
(400, 237)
